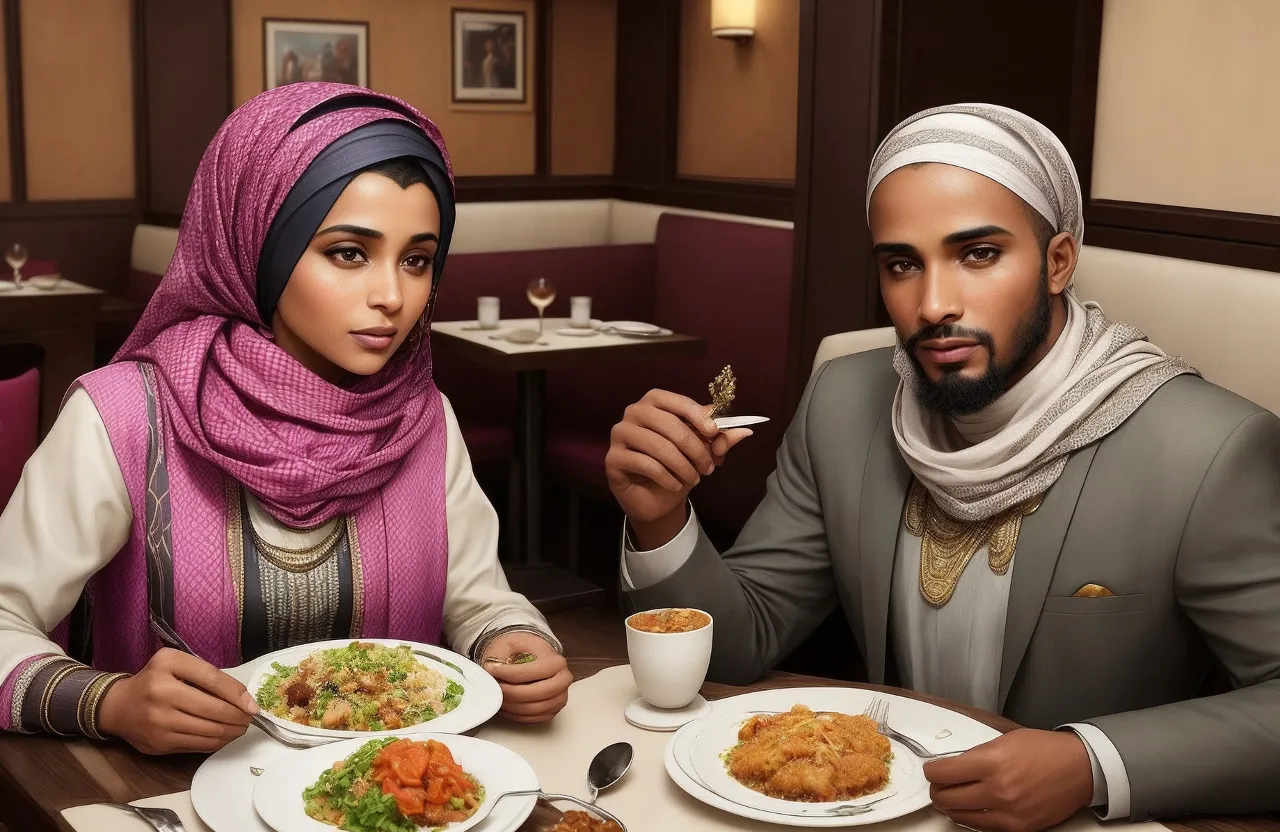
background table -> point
(61, 322)
(535, 579)
(41, 776)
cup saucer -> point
(643, 715)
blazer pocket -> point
(1073, 605)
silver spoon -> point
(608, 767)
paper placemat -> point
(646, 800)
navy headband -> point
(324, 180)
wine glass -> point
(16, 257)
(540, 293)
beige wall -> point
(409, 57)
(1188, 108)
(584, 39)
(738, 103)
(77, 98)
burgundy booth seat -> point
(729, 283)
(619, 280)
(19, 414)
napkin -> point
(99, 818)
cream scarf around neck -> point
(1097, 374)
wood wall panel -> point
(77, 82)
(6, 170)
(183, 110)
(583, 59)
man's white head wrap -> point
(1001, 144)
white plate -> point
(576, 332)
(727, 422)
(919, 720)
(632, 327)
(906, 773)
(278, 794)
(659, 333)
(222, 789)
(481, 696)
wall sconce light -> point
(734, 19)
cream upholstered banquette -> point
(1219, 318)
(502, 226)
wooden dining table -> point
(60, 321)
(539, 580)
(41, 776)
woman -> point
(267, 462)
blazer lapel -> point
(884, 494)
(1039, 545)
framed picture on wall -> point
(488, 57)
(315, 50)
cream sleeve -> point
(67, 518)
(478, 602)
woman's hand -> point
(533, 691)
(177, 703)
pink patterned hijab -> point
(307, 449)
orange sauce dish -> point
(669, 621)
(427, 785)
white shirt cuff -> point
(641, 570)
(1111, 799)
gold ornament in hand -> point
(722, 390)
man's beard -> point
(956, 395)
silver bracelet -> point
(486, 638)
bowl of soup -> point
(670, 651)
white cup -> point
(669, 668)
(487, 312)
(580, 311)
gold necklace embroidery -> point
(947, 545)
(298, 560)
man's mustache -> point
(939, 331)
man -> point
(1023, 506)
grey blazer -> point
(1177, 511)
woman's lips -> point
(375, 338)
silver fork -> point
(161, 820)
(878, 711)
(288, 738)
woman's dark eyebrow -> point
(357, 230)
(974, 234)
(425, 237)
(905, 249)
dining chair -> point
(19, 420)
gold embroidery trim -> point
(21, 689)
(357, 579)
(947, 545)
(235, 553)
